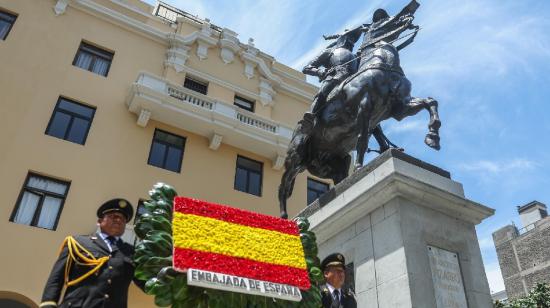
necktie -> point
(112, 240)
(336, 301)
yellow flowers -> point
(236, 240)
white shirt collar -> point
(105, 235)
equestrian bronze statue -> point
(357, 93)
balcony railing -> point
(158, 99)
(186, 97)
(248, 120)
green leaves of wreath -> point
(153, 259)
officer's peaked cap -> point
(116, 205)
(335, 259)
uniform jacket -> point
(347, 299)
(107, 288)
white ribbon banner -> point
(231, 283)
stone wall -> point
(524, 258)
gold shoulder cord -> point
(79, 255)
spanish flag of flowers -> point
(232, 241)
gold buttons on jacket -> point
(106, 295)
(109, 281)
(110, 267)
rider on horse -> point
(352, 102)
(333, 65)
(328, 67)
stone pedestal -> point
(409, 232)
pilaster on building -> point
(524, 253)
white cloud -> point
(497, 167)
(484, 37)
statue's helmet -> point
(379, 15)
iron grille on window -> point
(40, 202)
(93, 59)
(70, 121)
(248, 176)
(196, 86)
(244, 103)
(6, 23)
(166, 151)
(315, 189)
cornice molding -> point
(130, 8)
(118, 18)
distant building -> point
(524, 254)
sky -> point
(485, 61)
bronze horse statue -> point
(377, 91)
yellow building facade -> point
(103, 98)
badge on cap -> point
(340, 257)
(122, 204)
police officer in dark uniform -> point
(332, 294)
(94, 270)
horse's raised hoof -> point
(432, 140)
(284, 215)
